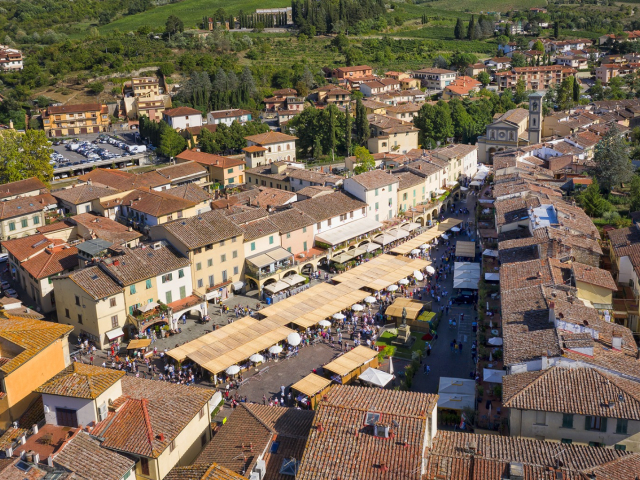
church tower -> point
(535, 117)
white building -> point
(462, 159)
(274, 147)
(228, 117)
(182, 118)
(10, 59)
(175, 284)
(435, 78)
(378, 189)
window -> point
(66, 313)
(541, 417)
(144, 466)
(12, 226)
(404, 195)
(620, 447)
(167, 278)
(180, 273)
(36, 220)
(234, 254)
(304, 229)
(236, 270)
(223, 257)
(567, 420)
(210, 262)
(343, 217)
(595, 444)
(169, 297)
(80, 319)
(231, 180)
(595, 423)
(376, 192)
(131, 310)
(271, 240)
(24, 222)
(319, 225)
(183, 292)
(288, 235)
(229, 170)
(199, 266)
(132, 289)
(233, 239)
(289, 249)
(222, 243)
(364, 210)
(329, 223)
(202, 412)
(66, 417)
(253, 246)
(621, 426)
(377, 206)
(304, 246)
(112, 302)
(114, 321)
(566, 441)
(211, 281)
(224, 275)
(77, 300)
(200, 283)
(147, 284)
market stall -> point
(375, 377)
(311, 388)
(349, 366)
(426, 237)
(466, 275)
(465, 249)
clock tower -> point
(535, 117)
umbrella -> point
(276, 349)
(392, 288)
(404, 281)
(294, 339)
(357, 307)
(415, 251)
(256, 358)
(370, 299)
(338, 316)
(324, 323)
(445, 236)
(232, 370)
(455, 229)
(424, 246)
(417, 274)
(431, 270)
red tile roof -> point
(210, 159)
(181, 112)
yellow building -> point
(145, 86)
(213, 245)
(93, 304)
(391, 135)
(21, 217)
(594, 285)
(411, 190)
(145, 208)
(224, 171)
(31, 352)
(62, 120)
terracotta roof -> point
(375, 179)
(27, 247)
(291, 220)
(181, 112)
(154, 203)
(356, 68)
(83, 193)
(340, 446)
(190, 192)
(182, 170)
(254, 148)
(247, 215)
(269, 138)
(79, 380)
(408, 180)
(152, 415)
(51, 261)
(124, 181)
(236, 112)
(258, 229)
(594, 276)
(55, 227)
(21, 187)
(203, 472)
(273, 197)
(314, 190)
(77, 108)
(20, 206)
(329, 206)
(84, 455)
(207, 228)
(95, 282)
(139, 264)
(31, 336)
(197, 130)
(105, 228)
(581, 391)
(210, 159)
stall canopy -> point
(456, 393)
(495, 341)
(490, 253)
(375, 377)
(466, 275)
(426, 237)
(465, 249)
(276, 287)
(410, 227)
(272, 256)
(142, 343)
(349, 255)
(492, 376)
(380, 272)
(348, 231)
(115, 333)
(347, 363)
(492, 277)
(311, 385)
(294, 279)
(413, 308)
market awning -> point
(348, 231)
(294, 279)
(466, 275)
(491, 253)
(372, 247)
(311, 385)
(260, 260)
(375, 377)
(237, 285)
(465, 249)
(148, 307)
(267, 258)
(142, 343)
(492, 277)
(115, 333)
(492, 376)
(279, 254)
(475, 183)
(410, 227)
(456, 393)
(276, 287)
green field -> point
(189, 11)
(476, 6)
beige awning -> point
(261, 260)
(347, 363)
(465, 249)
(311, 385)
(142, 343)
(413, 308)
(279, 254)
(277, 286)
(294, 279)
(426, 237)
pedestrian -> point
(91, 359)
(282, 390)
(450, 323)
(428, 369)
(264, 399)
(425, 369)
(452, 344)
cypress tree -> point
(471, 30)
(362, 123)
(347, 133)
(458, 32)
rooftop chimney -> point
(552, 312)
(616, 341)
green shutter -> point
(587, 422)
(183, 292)
(130, 310)
(169, 297)
(603, 424)
(148, 284)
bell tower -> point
(535, 117)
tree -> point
(96, 87)
(25, 155)
(613, 166)
(592, 202)
(347, 131)
(484, 78)
(521, 91)
(539, 46)
(471, 35)
(634, 193)
(171, 142)
(174, 25)
(458, 31)
(364, 160)
(576, 90)
(363, 132)
(518, 60)
(556, 30)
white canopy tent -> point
(491, 253)
(456, 393)
(466, 275)
(375, 377)
(276, 287)
(495, 341)
(348, 231)
(492, 277)
(492, 376)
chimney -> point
(552, 312)
(616, 341)
(8, 452)
(23, 439)
(34, 429)
(36, 458)
(50, 460)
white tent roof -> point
(456, 393)
(375, 377)
(466, 275)
(495, 341)
(493, 376)
(475, 183)
(490, 253)
(492, 277)
(455, 401)
(276, 287)
(348, 231)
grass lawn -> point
(189, 11)
(418, 346)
